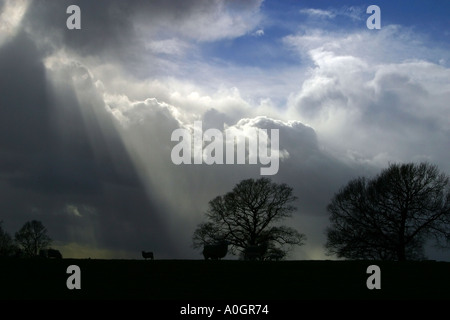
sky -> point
(86, 115)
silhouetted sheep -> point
(50, 253)
(147, 255)
(255, 252)
(277, 256)
(215, 251)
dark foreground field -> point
(221, 280)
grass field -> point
(221, 280)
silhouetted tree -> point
(390, 216)
(32, 237)
(7, 247)
(249, 215)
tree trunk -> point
(401, 249)
(401, 252)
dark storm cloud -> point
(55, 152)
(33, 145)
(116, 28)
(105, 25)
(22, 96)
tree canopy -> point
(7, 246)
(250, 215)
(32, 237)
(391, 216)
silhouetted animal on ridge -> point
(147, 255)
(255, 252)
(50, 253)
(215, 251)
(275, 256)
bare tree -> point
(249, 216)
(32, 237)
(7, 246)
(391, 216)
